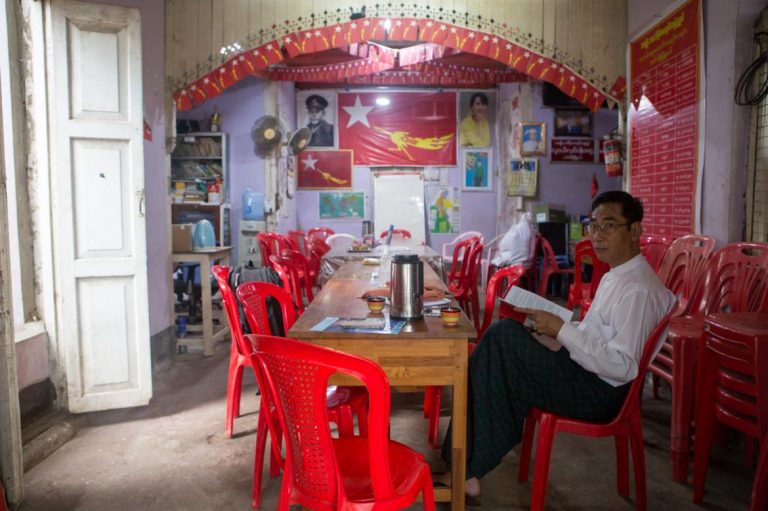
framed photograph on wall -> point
(317, 111)
(477, 170)
(533, 138)
(573, 122)
(477, 123)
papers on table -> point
(383, 325)
(518, 297)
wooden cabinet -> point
(198, 161)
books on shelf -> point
(198, 146)
(383, 325)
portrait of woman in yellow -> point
(474, 129)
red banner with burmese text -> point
(398, 128)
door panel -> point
(98, 181)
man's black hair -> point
(483, 98)
(631, 207)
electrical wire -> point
(745, 83)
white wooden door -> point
(97, 167)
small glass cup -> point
(376, 304)
(450, 315)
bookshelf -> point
(199, 160)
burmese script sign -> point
(664, 117)
(571, 150)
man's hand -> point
(544, 322)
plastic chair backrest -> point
(447, 250)
(221, 273)
(472, 265)
(319, 233)
(735, 280)
(319, 246)
(254, 296)
(584, 252)
(460, 253)
(289, 275)
(340, 239)
(271, 243)
(397, 233)
(653, 248)
(683, 265)
(500, 282)
(296, 374)
(302, 268)
(299, 241)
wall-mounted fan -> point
(299, 140)
(266, 134)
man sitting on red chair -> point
(586, 368)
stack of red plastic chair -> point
(325, 473)
(465, 291)
(582, 293)
(306, 282)
(626, 428)
(299, 241)
(653, 248)
(288, 272)
(732, 385)
(271, 243)
(342, 402)
(735, 280)
(680, 271)
(403, 234)
(320, 233)
(549, 266)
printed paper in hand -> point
(519, 297)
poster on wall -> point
(317, 111)
(477, 111)
(324, 170)
(664, 121)
(522, 177)
(568, 150)
(444, 212)
(342, 205)
(477, 170)
(398, 128)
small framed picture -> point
(477, 169)
(533, 138)
(573, 122)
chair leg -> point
(683, 381)
(434, 419)
(638, 462)
(345, 421)
(258, 461)
(541, 464)
(234, 388)
(705, 425)
(428, 492)
(362, 420)
(622, 465)
(525, 449)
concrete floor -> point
(172, 455)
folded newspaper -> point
(518, 297)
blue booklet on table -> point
(382, 325)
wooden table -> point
(424, 353)
(205, 258)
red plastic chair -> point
(460, 253)
(653, 248)
(271, 243)
(290, 277)
(626, 428)
(735, 280)
(299, 241)
(343, 402)
(581, 292)
(681, 269)
(238, 359)
(320, 233)
(404, 234)
(325, 473)
(466, 292)
(549, 266)
(306, 282)
(732, 384)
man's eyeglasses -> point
(604, 228)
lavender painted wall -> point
(155, 185)
(728, 30)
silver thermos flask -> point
(407, 287)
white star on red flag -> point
(358, 113)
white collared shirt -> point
(628, 304)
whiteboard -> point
(398, 199)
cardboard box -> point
(182, 237)
(549, 213)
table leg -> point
(205, 287)
(459, 433)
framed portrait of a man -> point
(477, 170)
(477, 113)
(317, 111)
(533, 138)
(573, 122)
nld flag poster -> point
(398, 128)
